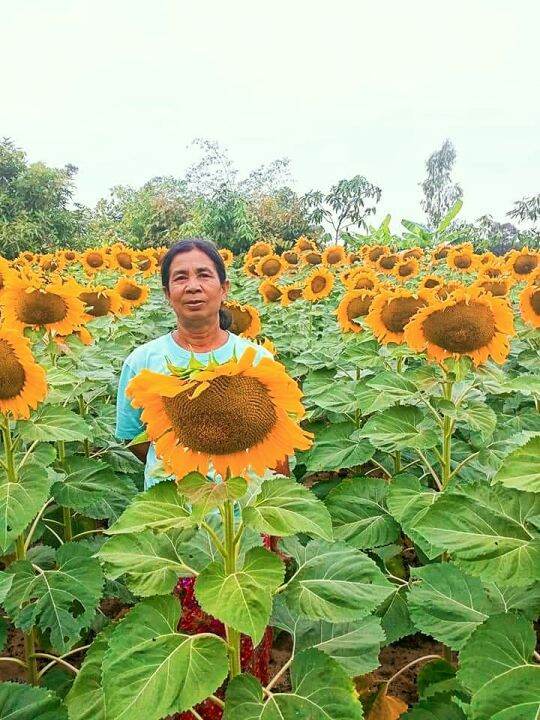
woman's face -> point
(195, 292)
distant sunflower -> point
(250, 267)
(318, 285)
(23, 382)
(260, 249)
(312, 257)
(446, 289)
(270, 266)
(132, 293)
(270, 292)
(334, 255)
(123, 259)
(386, 263)
(146, 263)
(291, 257)
(228, 417)
(499, 287)
(51, 263)
(99, 300)
(441, 252)
(93, 261)
(355, 257)
(390, 312)
(487, 258)
(407, 269)
(523, 263)
(245, 319)
(291, 294)
(27, 256)
(226, 256)
(492, 270)
(414, 252)
(303, 243)
(354, 304)
(462, 259)
(529, 302)
(429, 282)
(53, 306)
(466, 324)
(69, 256)
(159, 254)
(374, 252)
(5, 273)
(362, 279)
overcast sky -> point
(120, 88)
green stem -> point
(233, 636)
(397, 462)
(447, 430)
(29, 637)
(82, 413)
(66, 512)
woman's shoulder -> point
(144, 355)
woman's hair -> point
(209, 249)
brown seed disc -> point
(318, 283)
(388, 261)
(460, 328)
(130, 292)
(271, 267)
(535, 302)
(405, 270)
(375, 253)
(294, 294)
(144, 264)
(231, 415)
(291, 257)
(313, 258)
(70, 255)
(493, 272)
(358, 307)
(41, 308)
(497, 289)
(272, 293)
(241, 320)
(97, 304)
(397, 313)
(440, 254)
(525, 264)
(124, 260)
(12, 374)
(363, 283)
(431, 283)
(94, 259)
(334, 257)
(463, 261)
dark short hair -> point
(209, 249)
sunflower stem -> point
(233, 636)
(9, 451)
(29, 637)
(447, 430)
(82, 413)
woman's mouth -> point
(194, 304)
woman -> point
(195, 283)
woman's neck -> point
(200, 339)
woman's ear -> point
(225, 287)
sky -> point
(121, 88)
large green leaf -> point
(334, 581)
(496, 666)
(90, 484)
(488, 531)
(520, 469)
(54, 422)
(321, 388)
(503, 599)
(408, 500)
(21, 501)
(151, 670)
(321, 690)
(393, 386)
(336, 447)
(284, 507)
(206, 495)
(242, 599)
(394, 614)
(437, 708)
(151, 563)
(359, 514)
(85, 700)
(447, 603)
(400, 428)
(61, 601)
(160, 508)
(24, 702)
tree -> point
(345, 206)
(440, 192)
(528, 208)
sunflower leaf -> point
(520, 469)
(206, 495)
(394, 614)
(24, 702)
(161, 508)
(400, 428)
(336, 447)
(54, 422)
(151, 670)
(284, 507)
(85, 700)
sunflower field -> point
(390, 569)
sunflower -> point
(492, 270)
(497, 287)
(146, 263)
(245, 319)
(132, 293)
(487, 258)
(53, 306)
(312, 257)
(291, 257)
(444, 291)
(303, 243)
(69, 256)
(123, 259)
(529, 302)
(403, 271)
(354, 304)
(100, 300)
(93, 261)
(230, 417)
(270, 291)
(390, 311)
(441, 252)
(429, 282)
(355, 257)
(523, 263)
(159, 254)
(414, 252)
(270, 266)
(334, 255)
(291, 294)
(387, 262)
(226, 256)
(5, 272)
(23, 382)
(250, 267)
(462, 259)
(318, 285)
(467, 323)
(26, 256)
(260, 249)
(374, 252)
(51, 263)
(362, 279)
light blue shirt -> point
(154, 355)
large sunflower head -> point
(260, 249)
(523, 263)
(304, 243)
(406, 269)
(291, 294)
(318, 285)
(354, 304)
(99, 300)
(231, 417)
(390, 312)
(22, 381)
(54, 306)
(462, 259)
(334, 255)
(93, 261)
(245, 319)
(226, 256)
(270, 266)
(312, 257)
(465, 324)
(529, 302)
(131, 293)
(269, 291)
(291, 257)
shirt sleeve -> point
(128, 419)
